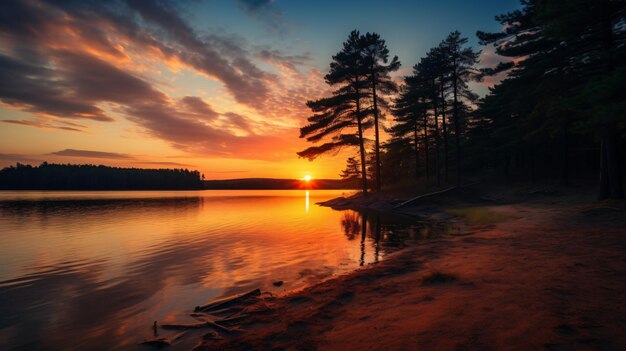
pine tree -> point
(342, 117)
(378, 67)
(461, 62)
(595, 36)
(566, 51)
(351, 173)
(410, 113)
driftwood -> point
(232, 320)
(227, 309)
(226, 312)
(423, 196)
(205, 324)
(185, 326)
(221, 328)
(227, 301)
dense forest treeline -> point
(559, 111)
(49, 176)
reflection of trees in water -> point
(388, 232)
(350, 222)
(97, 206)
(363, 233)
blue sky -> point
(319, 27)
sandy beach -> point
(545, 273)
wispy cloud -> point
(39, 123)
(77, 61)
(92, 154)
(165, 163)
(255, 5)
(265, 11)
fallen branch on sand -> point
(185, 326)
(228, 309)
(205, 324)
(423, 196)
(225, 302)
(232, 320)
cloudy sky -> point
(217, 86)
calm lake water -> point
(93, 270)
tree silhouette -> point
(561, 100)
(378, 67)
(338, 116)
(351, 173)
(48, 176)
(595, 50)
(411, 116)
(572, 54)
(461, 61)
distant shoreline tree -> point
(351, 172)
(49, 176)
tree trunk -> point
(426, 158)
(361, 141)
(610, 176)
(377, 145)
(457, 126)
(565, 161)
(417, 153)
(445, 132)
(436, 112)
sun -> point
(307, 178)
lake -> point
(93, 270)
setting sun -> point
(307, 178)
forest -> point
(48, 176)
(557, 112)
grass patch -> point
(477, 215)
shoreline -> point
(507, 277)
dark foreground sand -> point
(547, 274)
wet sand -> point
(546, 273)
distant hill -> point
(276, 184)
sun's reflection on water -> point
(306, 200)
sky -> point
(216, 86)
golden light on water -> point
(306, 200)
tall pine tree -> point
(377, 65)
(342, 118)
